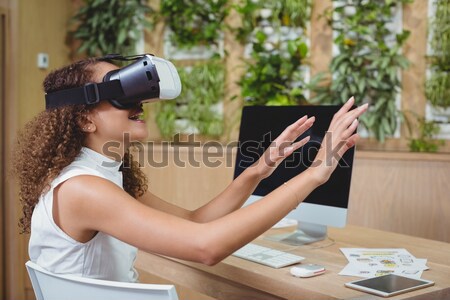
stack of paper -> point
(371, 262)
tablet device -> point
(388, 285)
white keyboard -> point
(267, 256)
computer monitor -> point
(325, 206)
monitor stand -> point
(305, 233)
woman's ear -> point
(88, 128)
(87, 125)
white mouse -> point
(308, 270)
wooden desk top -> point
(234, 278)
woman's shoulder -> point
(76, 168)
(90, 164)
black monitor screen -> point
(260, 125)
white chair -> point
(49, 286)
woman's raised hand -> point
(283, 146)
(338, 139)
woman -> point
(88, 215)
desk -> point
(234, 278)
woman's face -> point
(111, 124)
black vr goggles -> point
(147, 79)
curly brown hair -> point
(53, 139)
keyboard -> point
(267, 256)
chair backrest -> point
(49, 286)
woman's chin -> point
(140, 136)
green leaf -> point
(121, 36)
(403, 62)
(380, 134)
(361, 85)
(292, 47)
(373, 83)
(303, 50)
(402, 37)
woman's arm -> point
(229, 200)
(234, 196)
(94, 204)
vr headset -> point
(147, 79)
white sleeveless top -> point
(103, 257)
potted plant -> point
(194, 23)
(275, 34)
(367, 63)
(111, 26)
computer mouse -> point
(307, 270)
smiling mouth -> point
(137, 116)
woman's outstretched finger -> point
(294, 130)
(291, 129)
(351, 129)
(289, 150)
(347, 119)
(298, 122)
(343, 110)
(303, 127)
